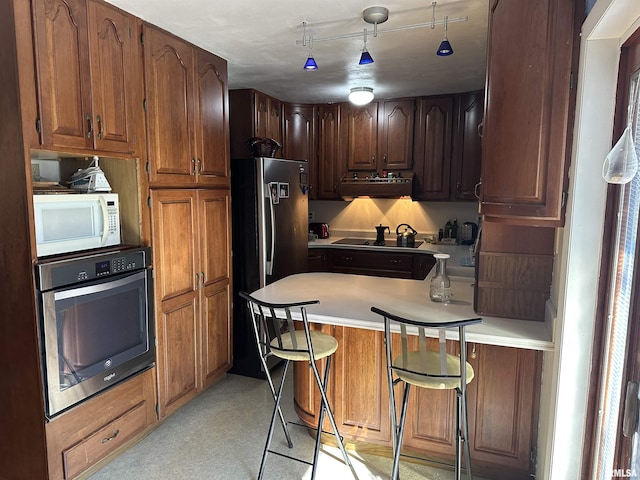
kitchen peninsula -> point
(505, 353)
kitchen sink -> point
(366, 241)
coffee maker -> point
(380, 229)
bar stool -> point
(276, 335)
(427, 369)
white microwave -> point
(75, 221)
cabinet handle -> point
(395, 260)
(473, 351)
(384, 158)
(199, 165)
(204, 278)
(107, 439)
(481, 128)
(347, 258)
(476, 189)
(373, 159)
(197, 280)
(193, 170)
(89, 126)
(100, 127)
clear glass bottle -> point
(440, 287)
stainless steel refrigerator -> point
(270, 234)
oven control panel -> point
(72, 270)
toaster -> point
(320, 229)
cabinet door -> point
(432, 154)
(64, 77)
(168, 64)
(396, 135)
(361, 402)
(503, 404)
(299, 138)
(363, 137)
(211, 122)
(526, 143)
(330, 157)
(468, 145)
(268, 117)
(116, 79)
(174, 232)
(215, 279)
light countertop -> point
(346, 300)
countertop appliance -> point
(95, 322)
(270, 236)
(407, 237)
(70, 222)
(320, 229)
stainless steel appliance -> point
(71, 222)
(96, 322)
(269, 229)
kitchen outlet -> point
(311, 216)
(35, 172)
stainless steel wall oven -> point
(96, 322)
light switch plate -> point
(311, 216)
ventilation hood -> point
(377, 187)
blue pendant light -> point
(310, 64)
(445, 49)
(365, 58)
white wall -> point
(566, 370)
(360, 216)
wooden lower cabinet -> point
(502, 404)
(381, 264)
(84, 435)
(192, 252)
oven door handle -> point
(98, 287)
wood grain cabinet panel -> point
(396, 134)
(299, 139)
(362, 124)
(467, 147)
(331, 151)
(432, 148)
(187, 100)
(89, 76)
(191, 239)
(527, 138)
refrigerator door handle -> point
(270, 259)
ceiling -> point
(258, 39)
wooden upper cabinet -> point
(362, 125)
(89, 76)
(186, 92)
(331, 156)
(253, 114)
(432, 148)
(526, 141)
(395, 148)
(467, 147)
(299, 139)
(212, 127)
(168, 65)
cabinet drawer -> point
(372, 263)
(104, 441)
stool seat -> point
(323, 346)
(426, 376)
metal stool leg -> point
(327, 408)
(321, 415)
(276, 410)
(283, 422)
(395, 473)
(465, 434)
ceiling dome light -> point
(361, 95)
